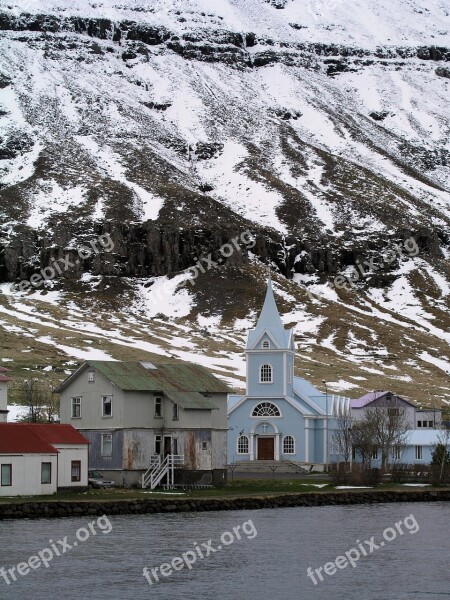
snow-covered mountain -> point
(315, 134)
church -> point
(281, 417)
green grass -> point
(242, 488)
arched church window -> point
(265, 344)
(265, 374)
(242, 445)
(266, 409)
(288, 445)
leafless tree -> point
(363, 440)
(390, 426)
(43, 405)
(342, 437)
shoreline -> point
(77, 508)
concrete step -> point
(267, 466)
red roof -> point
(3, 369)
(4, 378)
(58, 434)
(36, 438)
(18, 438)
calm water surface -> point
(271, 565)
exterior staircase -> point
(162, 468)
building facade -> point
(40, 459)
(134, 412)
(280, 417)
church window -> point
(265, 374)
(242, 445)
(288, 445)
(265, 344)
(266, 409)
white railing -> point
(159, 469)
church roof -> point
(270, 321)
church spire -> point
(269, 321)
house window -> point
(174, 412)
(91, 377)
(396, 454)
(106, 444)
(288, 445)
(46, 472)
(158, 441)
(265, 374)
(106, 406)
(419, 453)
(174, 445)
(430, 423)
(242, 445)
(76, 407)
(419, 423)
(158, 408)
(353, 453)
(266, 409)
(375, 453)
(75, 470)
(204, 445)
(265, 344)
(393, 412)
(6, 475)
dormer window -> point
(265, 344)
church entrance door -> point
(266, 448)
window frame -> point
(268, 367)
(246, 444)
(102, 444)
(10, 471)
(175, 412)
(292, 439)
(265, 345)
(75, 463)
(418, 452)
(158, 402)
(374, 454)
(91, 376)
(104, 416)
(157, 440)
(73, 405)
(267, 414)
(49, 464)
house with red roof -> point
(4, 381)
(39, 459)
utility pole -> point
(326, 425)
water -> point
(272, 565)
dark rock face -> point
(379, 116)
(57, 509)
(443, 72)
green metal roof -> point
(164, 377)
(191, 400)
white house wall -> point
(68, 453)
(26, 475)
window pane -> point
(6, 475)
(266, 409)
(266, 374)
(76, 408)
(107, 406)
(76, 470)
(158, 407)
(107, 444)
(243, 444)
(46, 473)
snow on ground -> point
(16, 412)
(162, 297)
(147, 204)
(51, 199)
(234, 186)
(440, 363)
